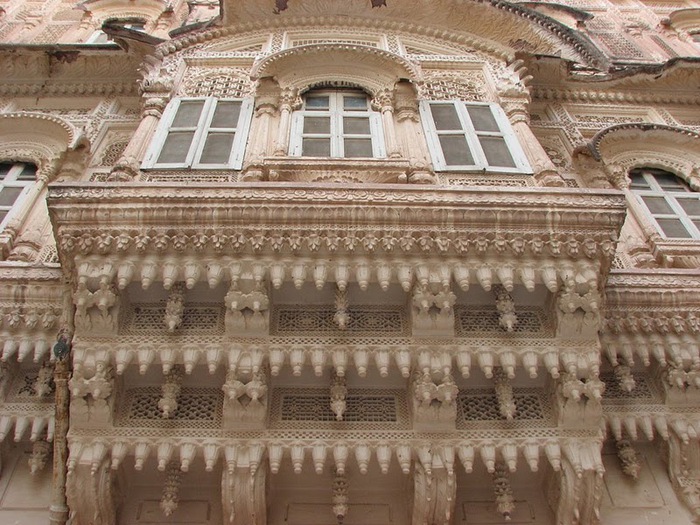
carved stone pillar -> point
(14, 226)
(384, 103)
(266, 106)
(288, 102)
(127, 167)
(435, 488)
(543, 167)
(58, 512)
(409, 134)
(93, 494)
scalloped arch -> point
(37, 137)
(493, 26)
(369, 67)
(648, 145)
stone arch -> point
(104, 10)
(305, 66)
(39, 138)
(623, 147)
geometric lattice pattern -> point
(641, 390)
(364, 320)
(221, 86)
(196, 408)
(484, 407)
(195, 320)
(359, 408)
(470, 321)
(366, 409)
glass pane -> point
(28, 172)
(226, 115)
(456, 150)
(496, 151)
(5, 168)
(657, 205)
(8, 196)
(3, 214)
(176, 147)
(638, 181)
(317, 125)
(317, 102)
(691, 206)
(445, 117)
(356, 126)
(670, 182)
(358, 148)
(316, 148)
(354, 103)
(482, 118)
(673, 228)
(217, 148)
(187, 115)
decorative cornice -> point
(657, 288)
(293, 218)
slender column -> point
(289, 101)
(58, 511)
(384, 103)
(14, 226)
(410, 135)
(127, 167)
(545, 170)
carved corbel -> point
(617, 176)
(683, 466)
(96, 311)
(91, 389)
(578, 311)
(435, 489)
(246, 398)
(577, 403)
(433, 312)
(434, 406)
(247, 313)
(243, 496)
(577, 487)
(94, 495)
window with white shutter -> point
(471, 137)
(15, 180)
(201, 133)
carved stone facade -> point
(345, 261)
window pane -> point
(482, 118)
(217, 148)
(176, 147)
(358, 148)
(657, 205)
(316, 147)
(456, 150)
(356, 126)
(691, 206)
(354, 103)
(638, 181)
(317, 125)
(187, 115)
(5, 168)
(673, 228)
(28, 172)
(496, 151)
(317, 102)
(445, 117)
(8, 196)
(3, 214)
(670, 182)
(226, 115)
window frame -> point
(201, 131)
(15, 170)
(481, 164)
(670, 198)
(336, 112)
